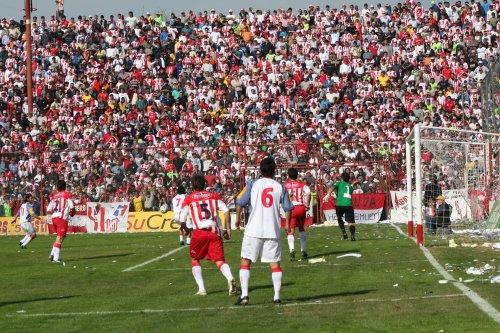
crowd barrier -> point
(94, 217)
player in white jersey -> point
(177, 202)
(61, 208)
(26, 215)
(262, 232)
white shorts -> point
(177, 216)
(28, 227)
(269, 249)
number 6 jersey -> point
(203, 207)
(264, 196)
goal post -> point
(466, 164)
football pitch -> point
(110, 283)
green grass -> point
(339, 295)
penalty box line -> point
(165, 255)
(257, 306)
(475, 298)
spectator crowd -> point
(128, 106)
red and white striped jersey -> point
(61, 205)
(298, 192)
(203, 208)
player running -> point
(177, 202)
(206, 243)
(300, 195)
(262, 232)
(26, 214)
(61, 207)
(343, 205)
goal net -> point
(462, 165)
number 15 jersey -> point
(203, 208)
(265, 196)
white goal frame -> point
(415, 138)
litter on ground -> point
(316, 260)
(356, 255)
(479, 270)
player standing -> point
(177, 202)
(262, 232)
(25, 214)
(343, 205)
(206, 243)
(300, 195)
(61, 207)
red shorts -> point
(298, 217)
(206, 245)
(61, 226)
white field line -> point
(154, 259)
(258, 306)
(480, 302)
(293, 266)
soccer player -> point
(300, 195)
(343, 205)
(25, 214)
(177, 207)
(262, 232)
(206, 243)
(61, 207)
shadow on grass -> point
(252, 288)
(36, 300)
(104, 256)
(331, 253)
(318, 297)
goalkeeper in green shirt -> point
(343, 206)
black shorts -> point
(348, 211)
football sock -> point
(291, 242)
(198, 277)
(188, 240)
(277, 275)
(244, 279)
(181, 238)
(24, 239)
(29, 239)
(56, 250)
(352, 230)
(303, 241)
(341, 225)
(226, 271)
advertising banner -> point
(6, 228)
(455, 198)
(100, 217)
(368, 207)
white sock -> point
(277, 284)
(291, 242)
(198, 277)
(303, 241)
(226, 271)
(24, 239)
(55, 252)
(244, 279)
(27, 240)
(188, 240)
(181, 238)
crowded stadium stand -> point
(131, 105)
